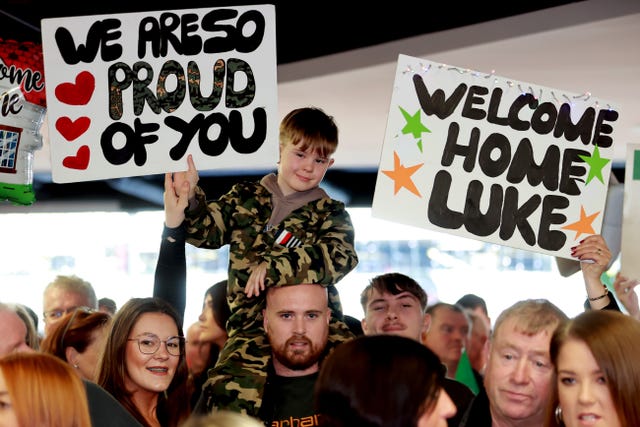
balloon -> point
(22, 113)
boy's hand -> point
(176, 199)
(255, 284)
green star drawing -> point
(413, 126)
(596, 163)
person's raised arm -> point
(625, 291)
(594, 256)
(170, 279)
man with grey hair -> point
(63, 295)
(519, 376)
(13, 331)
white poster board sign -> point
(630, 251)
(133, 94)
(494, 159)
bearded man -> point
(296, 321)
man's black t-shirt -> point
(289, 401)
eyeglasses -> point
(53, 315)
(149, 344)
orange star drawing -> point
(583, 225)
(402, 176)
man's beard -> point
(298, 359)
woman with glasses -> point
(78, 339)
(144, 366)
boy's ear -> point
(331, 162)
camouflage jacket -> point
(317, 247)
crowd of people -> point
(272, 346)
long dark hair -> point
(173, 404)
(221, 311)
(378, 381)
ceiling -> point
(344, 62)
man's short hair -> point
(25, 314)
(108, 304)
(532, 316)
(393, 283)
(77, 285)
(432, 309)
(472, 301)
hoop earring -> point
(558, 414)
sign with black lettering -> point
(134, 93)
(494, 159)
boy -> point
(282, 230)
(395, 304)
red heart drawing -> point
(71, 129)
(78, 93)
(80, 160)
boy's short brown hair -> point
(394, 283)
(310, 128)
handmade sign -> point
(494, 159)
(630, 252)
(133, 94)
(22, 111)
